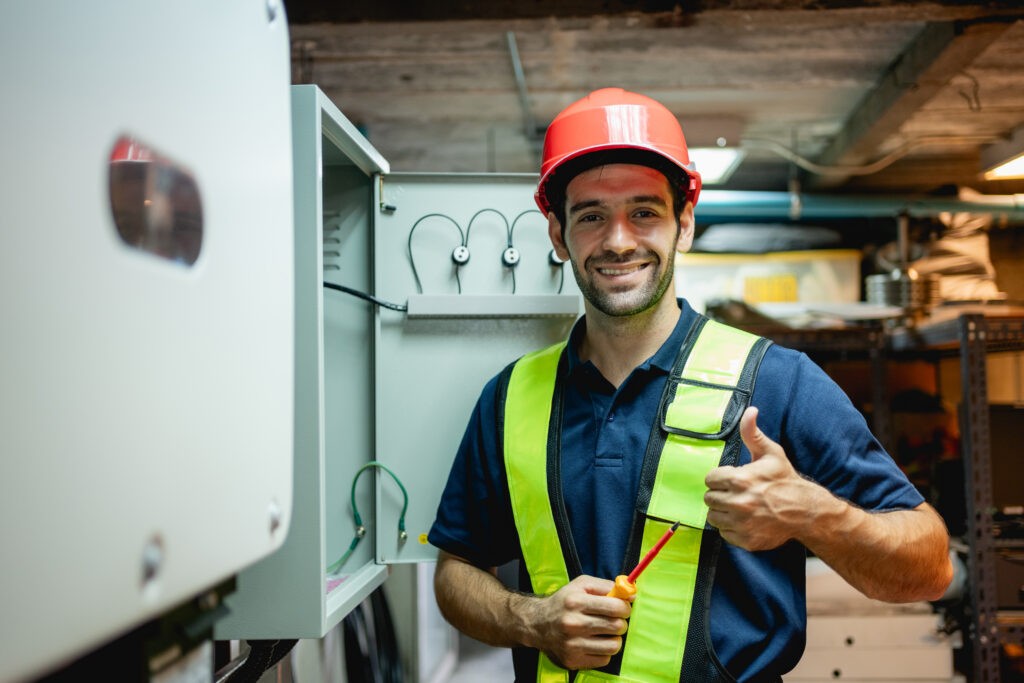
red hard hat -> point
(615, 119)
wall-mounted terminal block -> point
(460, 255)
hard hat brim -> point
(563, 170)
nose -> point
(619, 237)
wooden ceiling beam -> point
(939, 52)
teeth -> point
(618, 271)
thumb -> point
(753, 438)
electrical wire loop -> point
(463, 237)
(360, 528)
(510, 256)
(508, 241)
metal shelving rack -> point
(973, 337)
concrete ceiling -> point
(931, 85)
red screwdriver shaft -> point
(651, 553)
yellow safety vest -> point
(709, 387)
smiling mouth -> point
(607, 270)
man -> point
(578, 457)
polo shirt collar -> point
(664, 357)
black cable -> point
(512, 231)
(508, 235)
(358, 666)
(512, 234)
(412, 259)
(508, 231)
(282, 648)
(263, 654)
(367, 297)
(387, 643)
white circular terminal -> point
(460, 255)
(553, 258)
(510, 256)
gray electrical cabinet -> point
(388, 386)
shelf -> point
(1001, 333)
(494, 305)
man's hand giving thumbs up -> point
(896, 555)
(761, 505)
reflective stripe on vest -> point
(699, 411)
(527, 414)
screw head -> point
(274, 512)
(152, 559)
(208, 601)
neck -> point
(616, 345)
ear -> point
(686, 228)
(555, 233)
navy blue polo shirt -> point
(758, 617)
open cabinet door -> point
(293, 594)
(389, 386)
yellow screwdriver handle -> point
(624, 588)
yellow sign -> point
(781, 287)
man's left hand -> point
(763, 504)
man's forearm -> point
(896, 556)
(492, 615)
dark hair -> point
(554, 188)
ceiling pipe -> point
(529, 123)
(864, 169)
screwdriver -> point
(625, 586)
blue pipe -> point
(717, 206)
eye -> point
(645, 213)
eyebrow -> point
(639, 199)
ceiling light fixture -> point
(716, 164)
(1005, 159)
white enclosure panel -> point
(430, 371)
(144, 403)
(291, 594)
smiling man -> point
(578, 457)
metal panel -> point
(145, 407)
(430, 371)
(290, 594)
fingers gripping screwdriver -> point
(625, 586)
